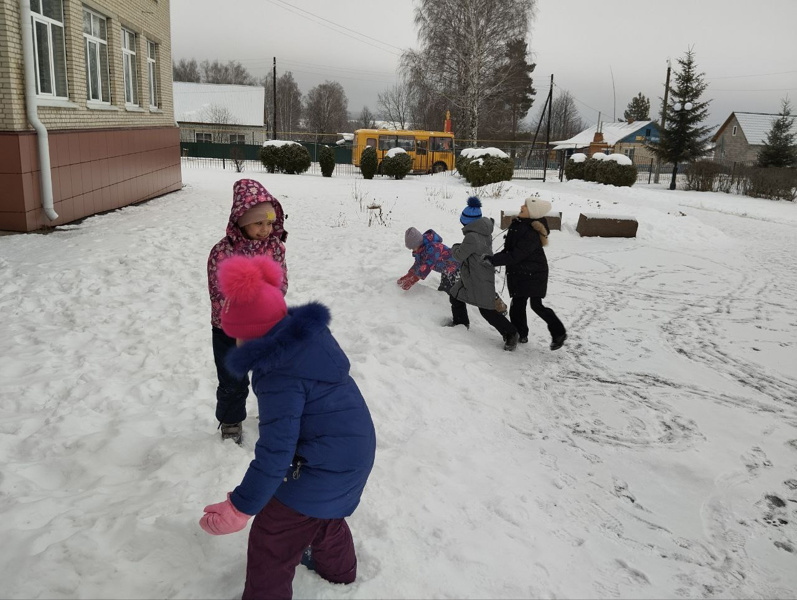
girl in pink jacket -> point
(256, 227)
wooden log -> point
(595, 225)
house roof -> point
(755, 126)
(195, 103)
(612, 133)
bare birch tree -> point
(463, 49)
(186, 70)
(395, 104)
(289, 104)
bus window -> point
(371, 142)
(406, 143)
(441, 144)
(422, 144)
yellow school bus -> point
(431, 151)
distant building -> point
(743, 134)
(223, 114)
(87, 88)
(621, 138)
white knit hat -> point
(537, 208)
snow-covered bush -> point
(269, 156)
(591, 169)
(482, 166)
(368, 163)
(295, 159)
(397, 163)
(574, 169)
(326, 158)
(614, 171)
(284, 156)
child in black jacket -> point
(527, 270)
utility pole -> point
(548, 131)
(663, 120)
(274, 81)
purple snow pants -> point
(277, 539)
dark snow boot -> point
(452, 324)
(524, 339)
(232, 431)
(307, 558)
(510, 343)
(558, 341)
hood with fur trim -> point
(297, 346)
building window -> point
(98, 80)
(629, 152)
(204, 137)
(237, 138)
(152, 71)
(129, 67)
(647, 133)
(49, 47)
(734, 130)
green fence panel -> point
(252, 152)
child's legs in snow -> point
(232, 391)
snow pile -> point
(620, 159)
(600, 156)
(578, 157)
(481, 152)
(394, 151)
(279, 143)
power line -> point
(754, 75)
(292, 9)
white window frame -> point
(100, 45)
(37, 16)
(152, 72)
(203, 134)
(130, 66)
(733, 133)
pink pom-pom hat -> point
(253, 297)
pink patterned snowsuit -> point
(246, 194)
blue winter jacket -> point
(311, 410)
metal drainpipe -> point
(31, 107)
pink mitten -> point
(409, 280)
(223, 518)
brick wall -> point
(149, 19)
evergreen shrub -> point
(368, 163)
(269, 156)
(610, 172)
(397, 166)
(294, 159)
(591, 168)
(574, 170)
(326, 158)
(489, 169)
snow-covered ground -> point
(655, 455)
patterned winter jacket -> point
(235, 242)
(317, 440)
(435, 256)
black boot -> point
(510, 343)
(232, 431)
(558, 341)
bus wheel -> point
(438, 167)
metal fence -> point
(255, 166)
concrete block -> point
(594, 225)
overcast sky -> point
(747, 49)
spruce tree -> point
(638, 109)
(780, 147)
(684, 138)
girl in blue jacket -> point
(317, 441)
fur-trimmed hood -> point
(296, 346)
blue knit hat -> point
(472, 211)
